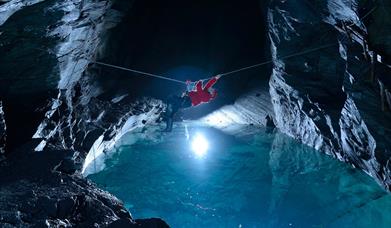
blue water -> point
(263, 180)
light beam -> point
(200, 145)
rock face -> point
(81, 114)
(3, 129)
(37, 194)
(378, 22)
(251, 109)
(12, 6)
(334, 98)
(43, 186)
(330, 98)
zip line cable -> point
(223, 74)
(139, 72)
(227, 73)
(233, 71)
(271, 61)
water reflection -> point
(266, 180)
(199, 145)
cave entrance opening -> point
(199, 176)
(186, 40)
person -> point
(203, 94)
(196, 94)
(174, 103)
(270, 126)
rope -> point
(227, 73)
(223, 74)
(370, 12)
(271, 61)
(233, 71)
(246, 68)
(292, 55)
(140, 72)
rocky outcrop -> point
(88, 122)
(142, 113)
(83, 118)
(251, 109)
(3, 128)
(36, 192)
(81, 29)
(333, 99)
(44, 187)
(12, 6)
(80, 114)
(329, 98)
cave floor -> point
(263, 180)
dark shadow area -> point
(28, 76)
(186, 40)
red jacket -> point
(201, 94)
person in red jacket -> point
(195, 95)
(203, 94)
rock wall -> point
(3, 128)
(42, 193)
(43, 187)
(329, 98)
(77, 117)
(251, 109)
(12, 6)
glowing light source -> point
(199, 145)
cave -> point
(102, 122)
(185, 41)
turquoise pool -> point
(262, 180)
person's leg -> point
(171, 110)
(168, 117)
(169, 123)
(186, 102)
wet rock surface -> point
(37, 195)
(28, 73)
(3, 134)
(45, 188)
(330, 98)
(251, 109)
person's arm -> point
(199, 86)
(210, 83)
(214, 94)
(190, 86)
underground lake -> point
(197, 176)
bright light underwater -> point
(199, 145)
(263, 180)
